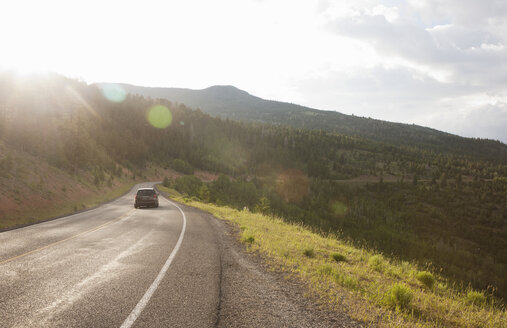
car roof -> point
(146, 189)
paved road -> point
(116, 266)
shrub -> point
(309, 252)
(475, 298)
(247, 238)
(426, 278)
(182, 166)
(262, 206)
(399, 296)
(338, 257)
(166, 183)
(188, 184)
(376, 262)
(204, 193)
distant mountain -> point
(233, 103)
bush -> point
(475, 298)
(338, 257)
(166, 183)
(262, 206)
(247, 238)
(204, 193)
(188, 184)
(377, 263)
(426, 278)
(399, 296)
(182, 166)
(309, 252)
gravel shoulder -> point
(252, 295)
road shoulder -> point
(253, 295)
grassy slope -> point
(32, 190)
(362, 282)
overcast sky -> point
(437, 63)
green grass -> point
(370, 288)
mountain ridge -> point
(230, 102)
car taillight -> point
(155, 196)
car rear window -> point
(145, 192)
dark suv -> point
(146, 197)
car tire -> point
(136, 206)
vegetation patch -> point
(309, 252)
(426, 278)
(476, 298)
(247, 238)
(399, 296)
(377, 262)
(338, 257)
(326, 269)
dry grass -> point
(366, 286)
(62, 207)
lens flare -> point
(292, 185)
(338, 208)
(159, 116)
(114, 92)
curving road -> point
(116, 266)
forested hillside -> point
(438, 208)
(230, 102)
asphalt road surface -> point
(116, 266)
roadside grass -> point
(65, 208)
(370, 288)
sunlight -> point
(83, 102)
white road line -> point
(149, 293)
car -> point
(146, 197)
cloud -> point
(460, 50)
(484, 121)
(440, 63)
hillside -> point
(438, 209)
(230, 102)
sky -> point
(436, 63)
